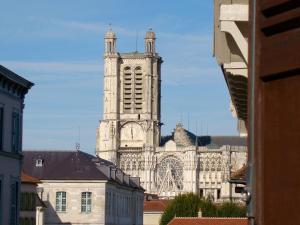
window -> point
(138, 88)
(14, 191)
(15, 139)
(28, 201)
(201, 193)
(27, 221)
(218, 193)
(1, 127)
(39, 162)
(127, 88)
(86, 202)
(0, 199)
(61, 201)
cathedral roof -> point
(239, 176)
(183, 137)
(73, 165)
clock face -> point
(131, 133)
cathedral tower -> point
(131, 101)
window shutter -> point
(1, 128)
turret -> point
(110, 42)
(150, 42)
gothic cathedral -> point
(129, 134)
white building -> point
(129, 134)
(12, 93)
(78, 188)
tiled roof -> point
(155, 205)
(74, 165)
(61, 165)
(208, 221)
(239, 175)
(25, 178)
(184, 137)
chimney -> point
(199, 213)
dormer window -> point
(39, 162)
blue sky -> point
(58, 45)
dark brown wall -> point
(275, 119)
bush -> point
(188, 205)
(184, 205)
(230, 209)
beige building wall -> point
(152, 218)
(112, 204)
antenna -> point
(136, 42)
(196, 134)
(206, 128)
(77, 145)
(188, 121)
(181, 118)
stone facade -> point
(131, 112)
(129, 134)
(81, 189)
(12, 93)
(111, 204)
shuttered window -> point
(28, 201)
(14, 203)
(1, 128)
(15, 139)
(61, 201)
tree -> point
(188, 205)
(230, 209)
(183, 205)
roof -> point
(183, 137)
(155, 205)
(208, 221)
(15, 77)
(26, 178)
(74, 165)
(239, 176)
(61, 165)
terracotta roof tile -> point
(155, 205)
(208, 221)
(25, 178)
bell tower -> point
(131, 101)
(107, 132)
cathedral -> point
(129, 135)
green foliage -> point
(188, 205)
(230, 209)
(185, 205)
(208, 208)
